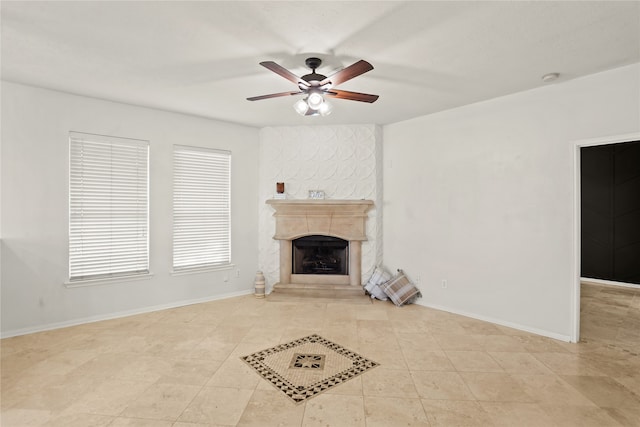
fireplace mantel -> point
(345, 219)
(338, 218)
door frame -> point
(606, 140)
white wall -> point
(35, 126)
(344, 161)
(482, 196)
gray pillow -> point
(372, 286)
(400, 290)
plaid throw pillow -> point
(372, 287)
(400, 290)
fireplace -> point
(327, 233)
(320, 255)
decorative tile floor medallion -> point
(308, 366)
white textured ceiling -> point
(202, 58)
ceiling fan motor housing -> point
(313, 63)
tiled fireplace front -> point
(344, 219)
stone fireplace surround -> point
(345, 219)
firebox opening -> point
(320, 255)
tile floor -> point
(181, 368)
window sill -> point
(106, 280)
(202, 270)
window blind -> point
(201, 208)
(108, 206)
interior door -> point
(610, 209)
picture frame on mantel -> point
(316, 194)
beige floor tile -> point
(109, 398)
(24, 417)
(385, 412)
(459, 342)
(568, 363)
(56, 396)
(62, 363)
(190, 372)
(385, 339)
(262, 335)
(388, 359)
(537, 344)
(473, 361)
(271, 408)
(15, 389)
(427, 361)
(19, 361)
(551, 389)
(441, 385)
(409, 326)
(294, 333)
(501, 343)
(615, 362)
(579, 416)
(495, 387)
(372, 313)
(145, 368)
(444, 326)
(510, 414)
(230, 334)
(104, 366)
(446, 413)
(375, 325)
(80, 420)
(478, 327)
(244, 349)
(520, 363)
(335, 411)
(353, 387)
(629, 417)
(181, 424)
(210, 349)
(89, 374)
(139, 422)
(604, 391)
(234, 373)
(217, 405)
(388, 382)
(347, 337)
(632, 382)
(163, 401)
(417, 342)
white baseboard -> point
(119, 314)
(608, 282)
(536, 331)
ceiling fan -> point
(316, 85)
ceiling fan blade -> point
(352, 96)
(353, 70)
(280, 70)
(272, 95)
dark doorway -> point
(610, 212)
(320, 255)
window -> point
(201, 208)
(108, 206)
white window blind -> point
(108, 206)
(201, 208)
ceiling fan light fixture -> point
(315, 100)
(325, 109)
(301, 107)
